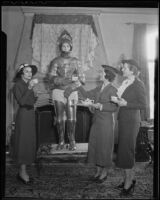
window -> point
(151, 55)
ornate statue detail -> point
(65, 75)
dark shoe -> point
(130, 190)
(31, 180)
(120, 186)
(19, 178)
(94, 178)
(101, 180)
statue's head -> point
(65, 42)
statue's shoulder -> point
(74, 59)
(56, 60)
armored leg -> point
(60, 114)
(71, 124)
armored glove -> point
(68, 91)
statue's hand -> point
(68, 91)
(66, 81)
(74, 78)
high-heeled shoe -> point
(19, 178)
(94, 178)
(129, 190)
(101, 180)
(120, 186)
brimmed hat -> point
(131, 62)
(112, 69)
(22, 66)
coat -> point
(101, 139)
(129, 123)
(24, 147)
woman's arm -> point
(140, 102)
(108, 105)
(91, 94)
(23, 97)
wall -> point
(12, 25)
(118, 36)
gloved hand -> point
(66, 81)
(60, 80)
(68, 91)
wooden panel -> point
(46, 129)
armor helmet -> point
(65, 37)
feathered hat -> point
(112, 69)
(22, 66)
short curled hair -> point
(133, 69)
(109, 75)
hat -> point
(112, 69)
(131, 62)
(33, 67)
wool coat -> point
(101, 139)
(24, 145)
(129, 123)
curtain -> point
(46, 30)
(140, 55)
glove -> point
(60, 80)
(66, 81)
(68, 91)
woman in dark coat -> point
(132, 99)
(101, 140)
(24, 150)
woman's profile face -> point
(65, 47)
(126, 70)
(27, 73)
(102, 75)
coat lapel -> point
(100, 93)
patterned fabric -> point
(64, 19)
(44, 44)
(62, 69)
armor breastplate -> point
(66, 67)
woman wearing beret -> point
(24, 149)
(132, 99)
(101, 139)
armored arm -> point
(78, 71)
(54, 78)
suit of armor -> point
(65, 76)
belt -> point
(28, 107)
